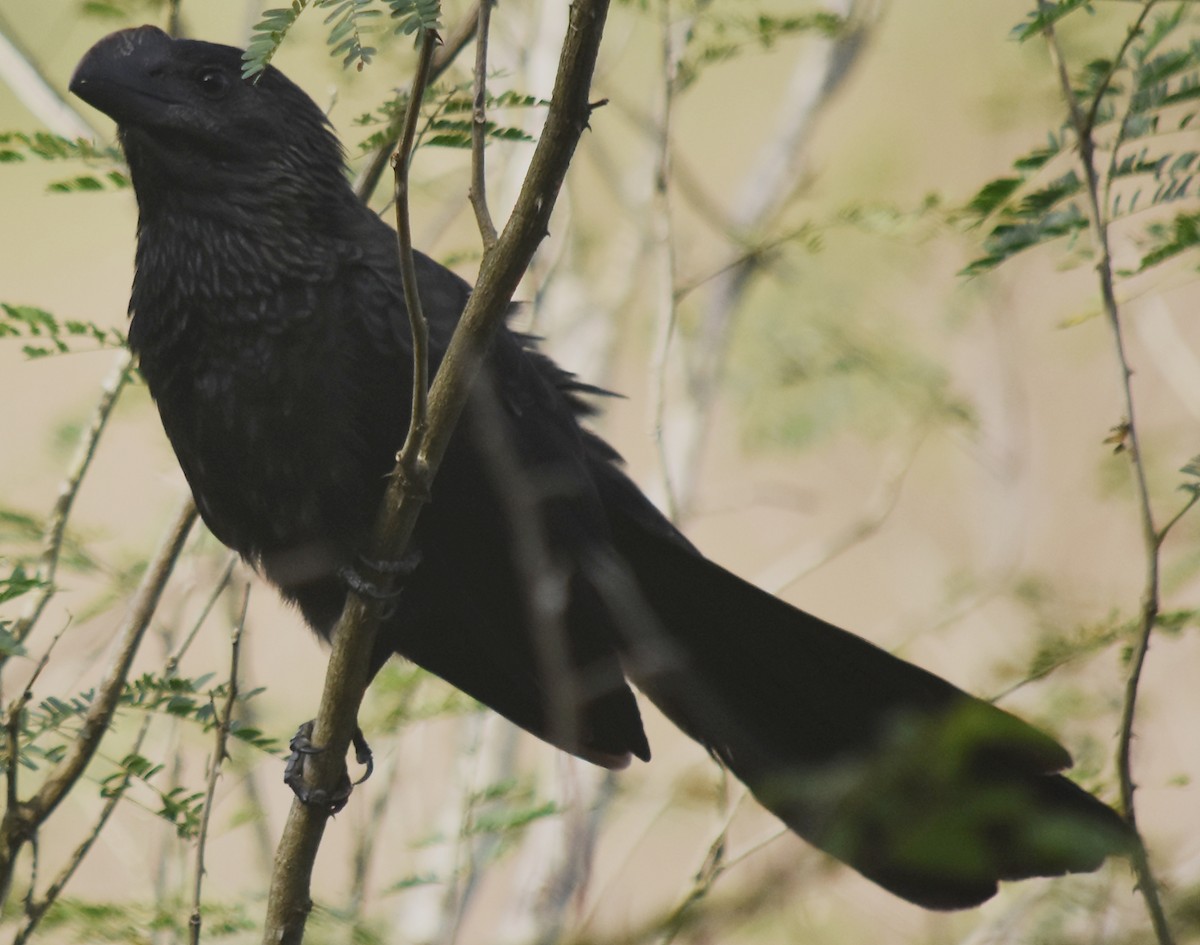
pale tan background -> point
(1003, 532)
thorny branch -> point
(500, 272)
(1081, 123)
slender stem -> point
(408, 270)
(478, 192)
(664, 237)
(220, 751)
(1174, 519)
(1149, 609)
(35, 910)
(56, 524)
(456, 42)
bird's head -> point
(190, 123)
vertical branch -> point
(664, 238)
(765, 191)
(1151, 537)
(56, 525)
(349, 665)
(456, 42)
(408, 270)
(174, 18)
(220, 745)
(478, 192)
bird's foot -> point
(397, 570)
(293, 771)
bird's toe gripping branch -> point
(397, 570)
(293, 772)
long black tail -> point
(922, 788)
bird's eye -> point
(213, 82)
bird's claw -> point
(293, 771)
(397, 569)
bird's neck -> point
(228, 271)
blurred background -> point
(761, 244)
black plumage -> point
(269, 320)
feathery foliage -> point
(348, 22)
(1138, 107)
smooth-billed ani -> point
(268, 316)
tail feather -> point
(924, 789)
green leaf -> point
(416, 16)
(18, 583)
(267, 35)
(8, 643)
(992, 195)
(28, 321)
(1169, 240)
(1047, 14)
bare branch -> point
(478, 192)
(765, 191)
(220, 750)
(1094, 187)
(408, 270)
(671, 52)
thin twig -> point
(1174, 519)
(671, 53)
(789, 568)
(1102, 87)
(774, 180)
(1147, 884)
(478, 192)
(22, 820)
(35, 910)
(418, 324)
(174, 19)
(224, 718)
(714, 864)
(455, 42)
(174, 659)
(56, 524)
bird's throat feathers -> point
(246, 257)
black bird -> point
(268, 316)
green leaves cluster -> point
(46, 727)
(50, 335)
(85, 920)
(16, 146)
(349, 21)
(1133, 106)
(16, 584)
(717, 38)
(448, 122)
